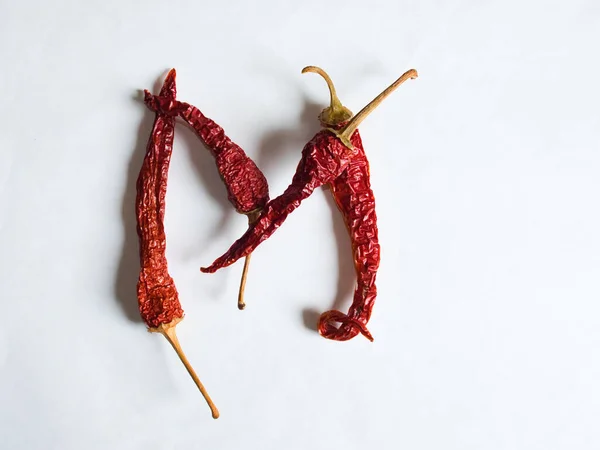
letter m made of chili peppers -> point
(334, 156)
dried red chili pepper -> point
(247, 187)
(157, 295)
(335, 156)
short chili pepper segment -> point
(247, 187)
(334, 156)
(158, 298)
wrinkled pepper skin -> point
(354, 197)
(247, 187)
(323, 159)
(326, 160)
(157, 295)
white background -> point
(486, 171)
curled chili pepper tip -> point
(168, 331)
(348, 326)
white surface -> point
(486, 172)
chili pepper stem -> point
(168, 331)
(336, 112)
(252, 217)
(241, 301)
(347, 131)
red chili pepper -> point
(157, 295)
(335, 156)
(247, 187)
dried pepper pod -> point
(247, 187)
(157, 295)
(335, 156)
